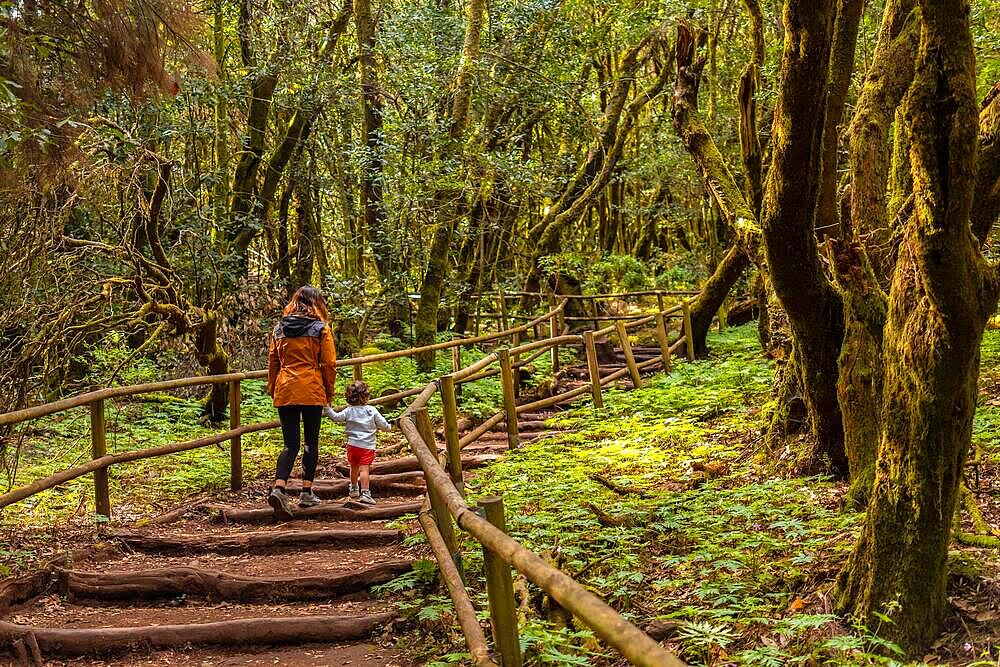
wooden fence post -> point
(661, 337)
(456, 365)
(593, 368)
(594, 312)
(509, 401)
(659, 301)
(623, 340)
(503, 310)
(442, 517)
(554, 331)
(99, 448)
(479, 303)
(688, 335)
(359, 374)
(449, 404)
(500, 590)
(236, 442)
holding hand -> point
(328, 412)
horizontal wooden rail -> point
(546, 343)
(472, 369)
(636, 323)
(552, 400)
(477, 432)
(611, 295)
(81, 400)
(103, 462)
(616, 318)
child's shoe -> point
(354, 492)
(282, 508)
(308, 499)
(366, 497)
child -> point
(361, 421)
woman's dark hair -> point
(357, 393)
(308, 302)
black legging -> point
(312, 415)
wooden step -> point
(192, 581)
(236, 632)
(255, 541)
(348, 511)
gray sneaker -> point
(366, 497)
(282, 508)
(353, 491)
(308, 499)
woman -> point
(301, 377)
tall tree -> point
(942, 293)
(446, 200)
(384, 248)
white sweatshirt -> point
(360, 423)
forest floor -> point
(702, 537)
(663, 504)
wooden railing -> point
(101, 461)
(445, 505)
(502, 316)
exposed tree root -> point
(174, 514)
(660, 630)
(331, 511)
(610, 520)
(21, 652)
(984, 536)
(259, 541)
(620, 489)
(17, 590)
(977, 540)
(523, 426)
(410, 464)
(392, 482)
(214, 584)
(240, 632)
(494, 437)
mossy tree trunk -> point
(942, 293)
(845, 37)
(861, 368)
(715, 290)
(595, 172)
(886, 81)
(214, 359)
(986, 201)
(447, 204)
(385, 250)
(814, 309)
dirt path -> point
(225, 583)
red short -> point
(359, 456)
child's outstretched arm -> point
(334, 414)
(380, 422)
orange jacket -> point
(301, 368)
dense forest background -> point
(170, 171)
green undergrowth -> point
(986, 425)
(696, 534)
(46, 446)
(62, 441)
